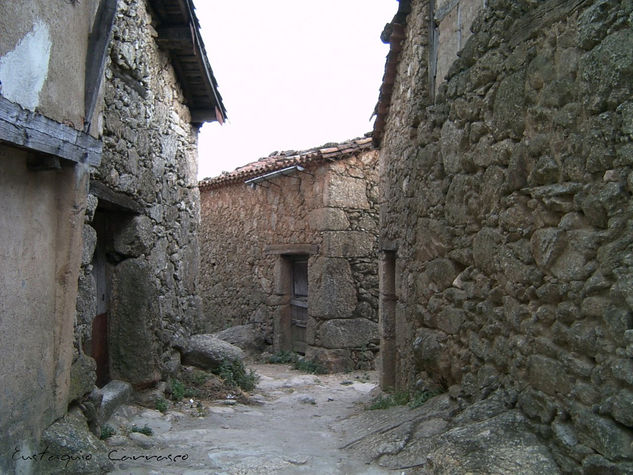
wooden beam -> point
(98, 42)
(33, 131)
(175, 37)
(202, 115)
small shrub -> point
(107, 431)
(177, 390)
(283, 357)
(161, 405)
(198, 378)
(235, 375)
(418, 399)
(400, 398)
(309, 366)
(385, 401)
(145, 430)
(299, 363)
(191, 392)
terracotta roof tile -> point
(280, 160)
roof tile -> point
(280, 160)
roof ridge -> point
(278, 160)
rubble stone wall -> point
(333, 208)
(150, 157)
(508, 202)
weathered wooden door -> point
(299, 304)
(100, 323)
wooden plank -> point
(175, 37)
(35, 132)
(95, 59)
(202, 115)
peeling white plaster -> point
(24, 69)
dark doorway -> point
(99, 340)
(387, 311)
(299, 303)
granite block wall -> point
(507, 201)
(329, 211)
(147, 218)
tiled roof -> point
(394, 34)
(280, 160)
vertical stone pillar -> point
(387, 319)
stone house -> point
(138, 285)
(100, 207)
(288, 246)
(47, 146)
(506, 156)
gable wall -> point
(333, 207)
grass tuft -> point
(401, 398)
(162, 405)
(107, 431)
(234, 374)
(298, 362)
(145, 430)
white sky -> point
(293, 74)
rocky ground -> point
(300, 423)
(291, 425)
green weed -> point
(419, 398)
(283, 357)
(107, 431)
(235, 375)
(299, 363)
(145, 430)
(400, 398)
(177, 390)
(162, 405)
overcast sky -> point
(293, 74)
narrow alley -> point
(292, 425)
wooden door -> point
(299, 304)
(99, 343)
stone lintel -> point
(290, 249)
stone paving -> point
(290, 428)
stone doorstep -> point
(110, 397)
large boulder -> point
(68, 446)
(208, 352)
(489, 436)
(245, 337)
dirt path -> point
(294, 428)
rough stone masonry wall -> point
(509, 202)
(150, 156)
(335, 209)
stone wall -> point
(144, 210)
(330, 213)
(43, 56)
(507, 203)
